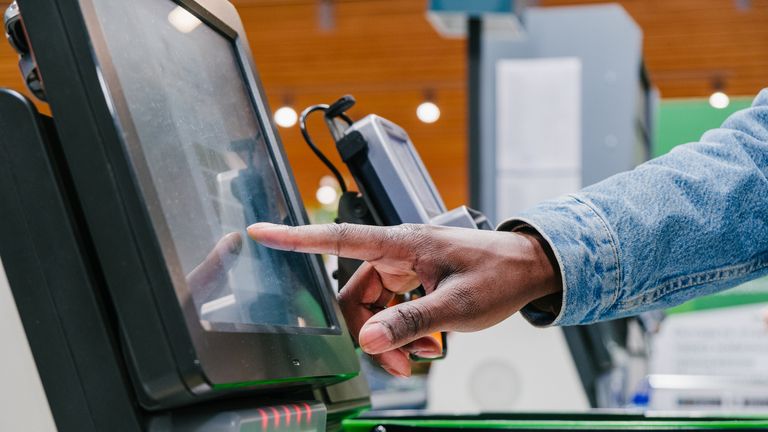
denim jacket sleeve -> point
(686, 224)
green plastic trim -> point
(752, 292)
(358, 425)
(719, 301)
(228, 386)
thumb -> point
(404, 323)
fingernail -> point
(428, 354)
(260, 225)
(394, 372)
(374, 338)
(254, 229)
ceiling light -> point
(719, 100)
(428, 112)
(286, 117)
(184, 21)
(326, 195)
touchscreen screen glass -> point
(202, 160)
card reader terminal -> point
(395, 186)
(394, 181)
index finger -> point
(363, 242)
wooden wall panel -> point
(386, 54)
(689, 43)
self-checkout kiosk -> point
(145, 305)
(123, 225)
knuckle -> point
(339, 233)
(422, 247)
(293, 233)
(414, 235)
(418, 231)
(338, 230)
(412, 320)
(412, 227)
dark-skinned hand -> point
(473, 279)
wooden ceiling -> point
(387, 55)
(688, 44)
(383, 52)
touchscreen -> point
(205, 168)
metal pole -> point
(474, 41)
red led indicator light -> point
(298, 413)
(309, 412)
(264, 419)
(277, 416)
(287, 415)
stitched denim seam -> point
(614, 249)
(703, 278)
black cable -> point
(346, 119)
(311, 144)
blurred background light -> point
(286, 117)
(428, 112)
(326, 195)
(719, 100)
(328, 192)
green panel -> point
(752, 292)
(684, 120)
(366, 425)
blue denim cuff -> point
(586, 252)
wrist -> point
(545, 287)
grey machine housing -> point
(393, 179)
